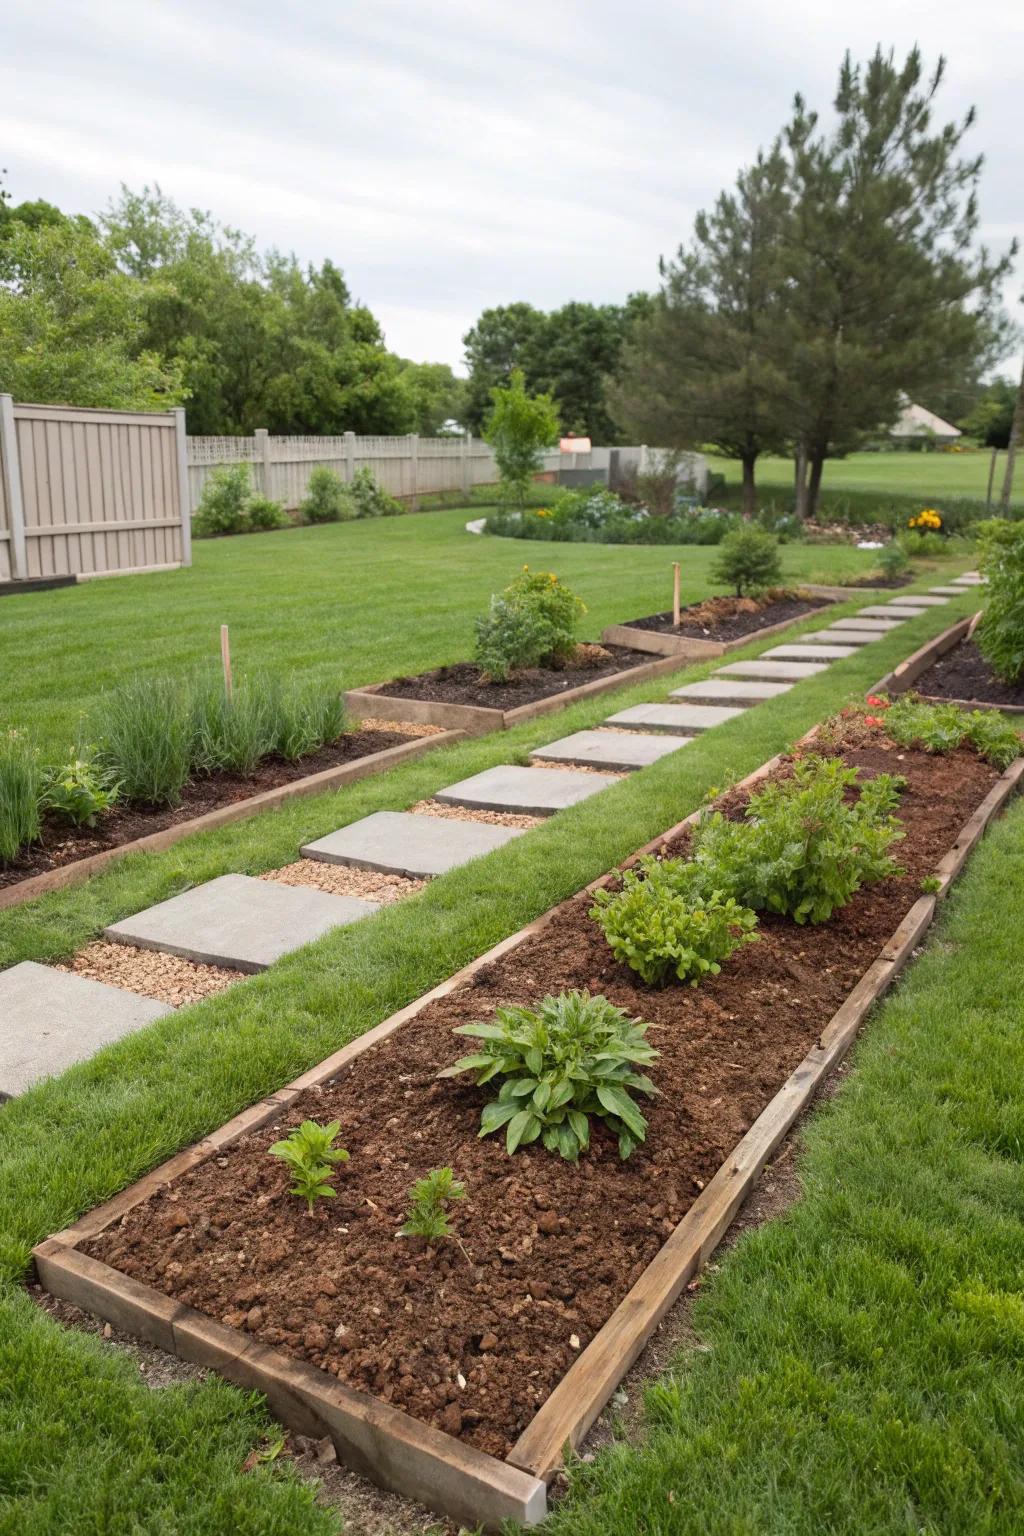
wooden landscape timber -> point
(903, 678)
(689, 647)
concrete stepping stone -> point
(399, 843)
(903, 611)
(969, 579)
(621, 750)
(51, 1019)
(773, 671)
(239, 922)
(949, 591)
(680, 719)
(810, 652)
(875, 626)
(525, 791)
(727, 690)
(840, 636)
(918, 600)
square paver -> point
(917, 600)
(525, 791)
(680, 719)
(729, 690)
(399, 843)
(772, 671)
(892, 611)
(615, 750)
(876, 625)
(950, 591)
(810, 652)
(240, 922)
(51, 1019)
(969, 579)
(841, 636)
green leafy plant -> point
(943, 727)
(371, 499)
(327, 497)
(572, 1058)
(532, 623)
(264, 514)
(429, 1200)
(144, 737)
(232, 733)
(518, 428)
(20, 783)
(893, 561)
(748, 561)
(310, 1154)
(223, 506)
(79, 790)
(918, 544)
(1000, 635)
(308, 715)
(805, 846)
(666, 921)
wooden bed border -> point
(685, 648)
(902, 678)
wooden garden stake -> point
(225, 658)
(675, 593)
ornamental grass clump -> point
(144, 734)
(573, 1058)
(20, 787)
(233, 732)
(667, 920)
(311, 1155)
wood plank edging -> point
(903, 677)
(683, 647)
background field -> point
(927, 475)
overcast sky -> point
(456, 155)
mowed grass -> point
(85, 1445)
(350, 603)
(931, 476)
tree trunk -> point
(800, 477)
(1016, 437)
(817, 462)
(991, 478)
(748, 461)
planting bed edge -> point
(902, 678)
(685, 647)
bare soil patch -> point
(730, 618)
(963, 673)
(464, 683)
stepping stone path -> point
(51, 1019)
(729, 690)
(950, 591)
(620, 751)
(399, 843)
(239, 922)
(810, 652)
(840, 636)
(922, 600)
(893, 611)
(525, 791)
(969, 579)
(775, 671)
(680, 719)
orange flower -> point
(879, 703)
(873, 720)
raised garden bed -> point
(459, 1380)
(951, 670)
(714, 626)
(458, 697)
(67, 855)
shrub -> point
(19, 794)
(430, 1198)
(803, 849)
(1000, 635)
(943, 727)
(923, 545)
(518, 428)
(78, 790)
(311, 1155)
(223, 506)
(664, 921)
(532, 623)
(572, 1057)
(265, 514)
(144, 735)
(748, 561)
(893, 561)
(371, 499)
(327, 497)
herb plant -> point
(310, 1154)
(1000, 635)
(893, 561)
(572, 1057)
(430, 1198)
(943, 727)
(19, 794)
(78, 790)
(667, 920)
(144, 734)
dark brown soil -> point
(963, 673)
(883, 582)
(729, 618)
(62, 844)
(476, 1343)
(464, 683)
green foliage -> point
(327, 497)
(893, 561)
(79, 790)
(231, 734)
(224, 505)
(371, 499)
(991, 417)
(532, 623)
(430, 1198)
(667, 920)
(19, 794)
(943, 727)
(805, 846)
(310, 1154)
(573, 1057)
(144, 736)
(518, 428)
(593, 515)
(1000, 635)
(265, 514)
(308, 715)
(748, 560)
(918, 545)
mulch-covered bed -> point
(475, 1344)
(730, 618)
(464, 683)
(62, 844)
(963, 673)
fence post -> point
(414, 457)
(10, 467)
(464, 457)
(184, 495)
(350, 456)
(263, 456)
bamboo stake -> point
(675, 593)
(225, 658)
(991, 477)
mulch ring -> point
(963, 673)
(62, 844)
(464, 683)
(475, 1341)
(730, 618)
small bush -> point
(265, 515)
(532, 623)
(144, 734)
(224, 505)
(327, 497)
(917, 545)
(748, 561)
(943, 727)
(371, 499)
(893, 561)
(20, 784)
(311, 1155)
(573, 1057)
(1000, 635)
(665, 921)
(79, 790)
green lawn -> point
(355, 602)
(930, 476)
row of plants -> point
(149, 737)
(231, 504)
(1000, 633)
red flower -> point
(873, 720)
(879, 703)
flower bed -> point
(428, 1364)
(716, 625)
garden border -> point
(684, 648)
(268, 799)
(414, 1458)
(903, 677)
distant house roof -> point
(915, 421)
